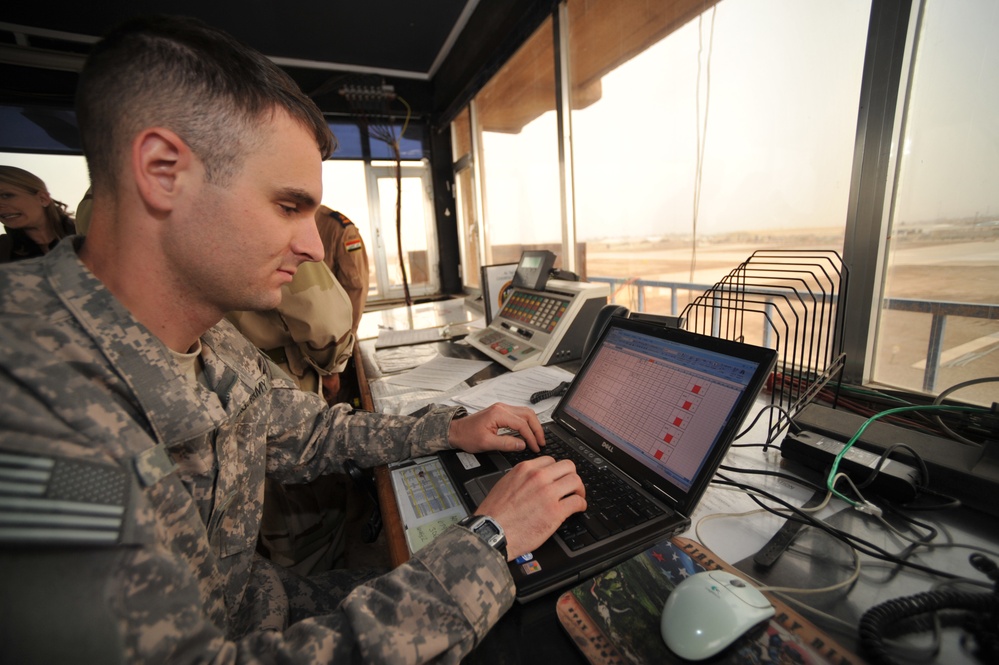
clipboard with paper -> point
(427, 500)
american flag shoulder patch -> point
(61, 501)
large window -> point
(939, 314)
(694, 139)
(518, 160)
(698, 138)
(689, 135)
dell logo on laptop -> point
(606, 446)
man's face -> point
(236, 245)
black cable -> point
(925, 472)
(911, 548)
(908, 614)
(861, 545)
(768, 407)
(911, 520)
(557, 391)
(884, 505)
(849, 539)
(957, 386)
(951, 502)
(815, 487)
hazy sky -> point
(773, 86)
(952, 146)
(778, 91)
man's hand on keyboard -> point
(482, 431)
(532, 500)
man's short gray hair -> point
(191, 78)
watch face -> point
(488, 531)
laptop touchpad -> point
(479, 487)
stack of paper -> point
(390, 338)
(515, 388)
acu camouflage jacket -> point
(130, 498)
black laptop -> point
(647, 420)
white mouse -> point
(708, 611)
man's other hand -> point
(532, 500)
(481, 431)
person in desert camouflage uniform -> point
(137, 426)
(309, 336)
(346, 256)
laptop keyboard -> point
(613, 506)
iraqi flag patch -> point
(353, 245)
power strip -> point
(895, 481)
(967, 473)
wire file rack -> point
(787, 300)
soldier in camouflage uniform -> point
(309, 336)
(137, 426)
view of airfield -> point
(936, 265)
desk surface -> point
(531, 633)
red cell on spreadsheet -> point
(668, 438)
(696, 390)
(687, 405)
(659, 454)
(678, 421)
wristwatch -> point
(488, 530)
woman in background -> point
(34, 221)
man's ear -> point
(160, 160)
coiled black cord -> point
(976, 613)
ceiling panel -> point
(321, 43)
(407, 38)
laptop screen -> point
(664, 402)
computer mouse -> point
(708, 611)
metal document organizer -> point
(788, 300)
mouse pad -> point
(614, 617)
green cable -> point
(900, 409)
